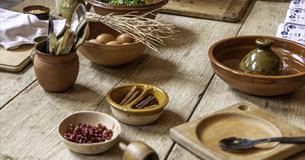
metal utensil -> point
(50, 30)
(235, 144)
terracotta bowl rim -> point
(90, 144)
(96, 3)
(27, 9)
(219, 64)
(110, 46)
(153, 110)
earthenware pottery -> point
(55, 73)
(226, 55)
(91, 118)
(68, 7)
(43, 15)
(128, 112)
(138, 151)
(261, 60)
(109, 55)
(36, 41)
(105, 8)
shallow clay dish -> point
(44, 15)
(105, 8)
(129, 115)
(244, 120)
(92, 118)
(109, 55)
(225, 56)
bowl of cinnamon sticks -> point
(137, 104)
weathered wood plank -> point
(28, 123)
(263, 20)
(14, 83)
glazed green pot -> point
(68, 7)
(261, 60)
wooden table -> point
(29, 115)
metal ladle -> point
(235, 144)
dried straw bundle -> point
(148, 31)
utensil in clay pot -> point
(138, 151)
(106, 8)
(55, 73)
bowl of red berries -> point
(89, 132)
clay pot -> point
(105, 8)
(55, 73)
(261, 60)
(226, 55)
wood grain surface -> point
(219, 94)
(175, 70)
(223, 10)
(29, 115)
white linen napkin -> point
(18, 28)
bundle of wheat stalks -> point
(148, 31)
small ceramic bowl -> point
(127, 113)
(225, 56)
(92, 118)
(41, 12)
(105, 8)
(109, 55)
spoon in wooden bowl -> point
(236, 144)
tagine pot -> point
(55, 73)
(261, 60)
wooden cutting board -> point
(241, 120)
(15, 60)
(223, 10)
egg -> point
(94, 41)
(113, 43)
(105, 38)
(124, 38)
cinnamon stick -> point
(130, 93)
(144, 102)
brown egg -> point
(124, 38)
(113, 43)
(94, 41)
(105, 38)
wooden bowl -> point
(105, 8)
(92, 118)
(129, 115)
(109, 55)
(45, 11)
(225, 56)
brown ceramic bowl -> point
(55, 73)
(109, 55)
(105, 8)
(225, 56)
(42, 15)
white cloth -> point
(18, 28)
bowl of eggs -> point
(107, 47)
